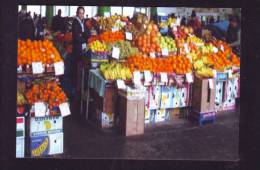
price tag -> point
(114, 29)
(175, 28)
(229, 73)
(165, 52)
(186, 48)
(115, 52)
(222, 47)
(178, 21)
(152, 55)
(37, 68)
(64, 109)
(214, 73)
(19, 69)
(164, 77)
(120, 84)
(215, 49)
(211, 85)
(128, 36)
(40, 109)
(137, 77)
(189, 78)
(147, 76)
(59, 68)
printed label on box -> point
(56, 143)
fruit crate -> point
(202, 118)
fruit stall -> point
(136, 63)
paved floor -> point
(179, 140)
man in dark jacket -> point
(58, 23)
(80, 35)
(26, 28)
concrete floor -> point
(181, 139)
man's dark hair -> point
(80, 7)
(59, 11)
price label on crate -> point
(37, 68)
(189, 77)
(186, 48)
(222, 47)
(115, 52)
(165, 52)
(214, 73)
(148, 76)
(120, 84)
(164, 77)
(128, 36)
(152, 55)
(64, 109)
(59, 68)
(211, 85)
(137, 78)
(40, 109)
(215, 49)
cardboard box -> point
(202, 118)
(131, 115)
(45, 125)
(50, 144)
(154, 97)
(20, 147)
(175, 97)
(106, 120)
(166, 99)
(203, 99)
(20, 126)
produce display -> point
(196, 40)
(37, 51)
(20, 99)
(113, 71)
(125, 48)
(49, 92)
(172, 64)
(112, 37)
(167, 42)
(107, 23)
(98, 46)
(182, 32)
(167, 23)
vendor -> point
(80, 35)
(233, 33)
(58, 23)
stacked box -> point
(20, 137)
(202, 118)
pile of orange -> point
(111, 37)
(49, 92)
(148, 43)
(37, 51)
(172, 64)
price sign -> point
(128, 36)
(37, 68)
(189, 78)
(164, 77)
(120, 84)
(178, 21)
(137, 78)
(40, 109)
(115, 52)
(64, 109)
(147, 76)
(211, 85)
(152, 55)
(59, 68)
(222, 47)
(186, 48)
(165, 52)
(215, 49)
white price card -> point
(164, 77)
(152, 55)
(189, 77)
(37, 68)
(178, 21)
(211, 85)
(174, 28)
(186, 48)
(59, 68)
(214, 73)
(120, 84)
(115, 52)
(165, 52)
(222, 47)
(215, 49)
(40, 109)
(137, 77)
(128, 36)
(229, 73)
(148, 76)
(64, 109)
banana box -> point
(219, 95)
(166, 99)
(49, 144)
(230, 100)
(175, 97)
(154, 97)
(160, 115)
(106, 120)
(45, 125)
(183, 96)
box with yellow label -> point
(45, 125)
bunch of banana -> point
(198, 64)
(205, 72)
(196, 40)
(20, 99)
(113, 71)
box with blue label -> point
(154, 97)
(202, 118)
(166, 99)
(44, 145)
(175, 95)
(45, 125)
